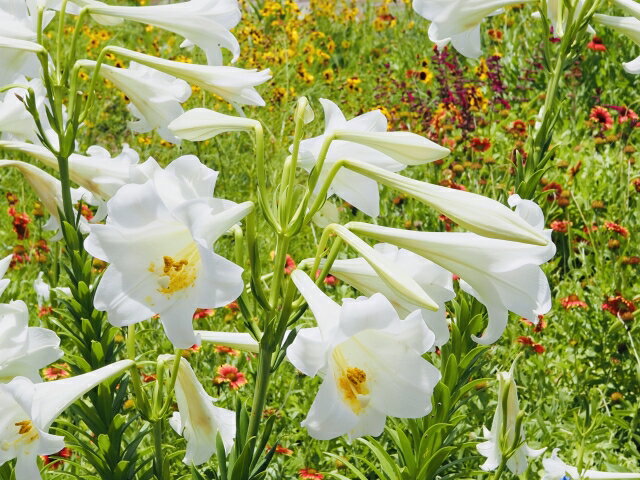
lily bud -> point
(236, 340)
(200, 124)
(404, 147)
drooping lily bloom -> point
(158, 240)
(365, 139)
(233, 84)
(435, 280)
(205, 23)
(503, 275)
(556, 469)
(459, 21)
(48, 189)
(198, 420)
(200, 124)
(502, 436)
(29, 409)
(97, 171)
(628, 26)
(370, 359)
(155, 97)
(24, 350)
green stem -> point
(157, 447)
(260, 394)
(500, 470)
(67, 203)
(136, 383)
(74, 42)
(172, 384)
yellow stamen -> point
(180, 274)
(352, 383)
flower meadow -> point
(337, 239)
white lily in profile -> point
(24, 350)
(556, 469)
(459, 21)
(4, 266)
(155, 97)
(198, 420)
(17, 58)
(359, 191)
(503, 275)
(436, 281)
(506, 431)
(628, 26)
(29, 409)
(480, 214)
(97, 171)
(158, 240)
(370, 359)
(233, 84)
(200, 124)
(205, 23)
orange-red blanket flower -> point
(230, 375)
(620, 307)
(572, 301)
(310, 473)
(614, 227)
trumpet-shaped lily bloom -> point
(205, 23)
(370, 359)
(233, 84)
(359, 191)
(155, 97)
(503, 275)
(502, 436)
(158, 240)
(435, 280)
(202, 124)
(628, 26)
(556, 469)
(97, 171)
(29, 409)
(198, 420)
(459, 21)
(24, 350)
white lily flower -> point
(24, 350)
(630, 6)
(205, 23)
(480, 214)
(327, 215)
(42, 289)
(436, 281)
(237, 340)
(359, 191)
(198, 420)
(231, 83)
(97, 171)
(47, 188)
(200, 124)
(155, 97)
(370, 359)
(502, 436)
(29, 409)
(158, 240)
(556, 469)
(503, 275)
(459, 21)
(628, 26)
(4, 266)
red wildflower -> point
(148, 378)
(203, 313)
(537, 327)
(55, 461)
(452, 184)
(231, 375)
(20, 223)
(19, 256)
(281, 450)
(620, 307)
(529, 342)
(447, 222)
(86, 212)
(330, 280)
(224, 350)
(631, 260)
(11, 198)
(557, 190)
(233, 306)
(601, 116)
(310, 473)
(44, 310)
(56, 372)
(596, 44)
(572, 301)
(518, 127)
(614, 227)
(636, 184)
(560, 226)
(289, 265)
(480, 144)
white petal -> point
(325, 310)
(308, 352)
(328, 416)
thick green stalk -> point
(260, 394)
